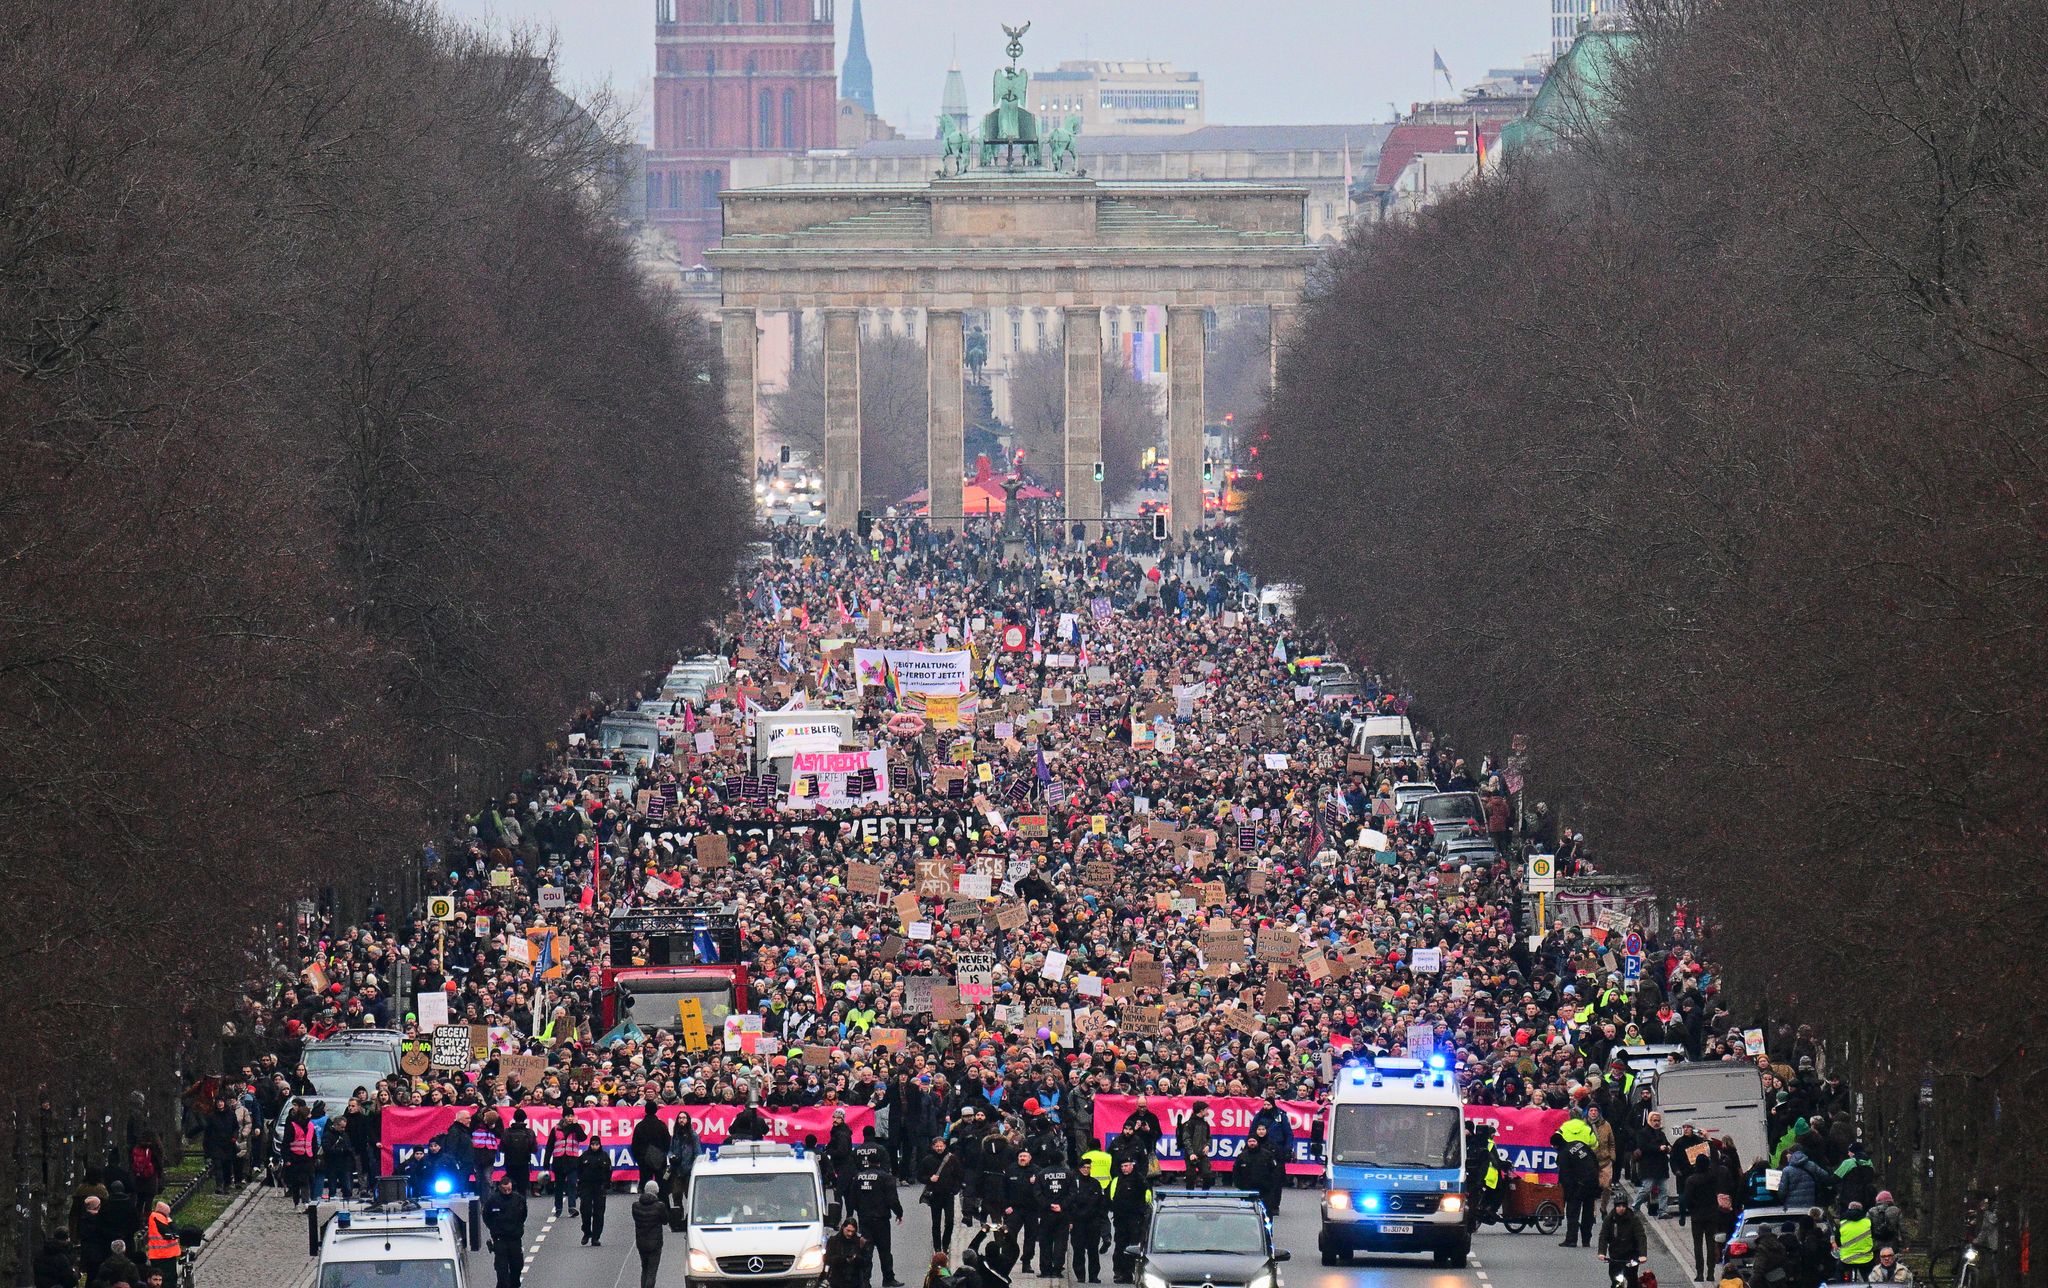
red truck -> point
(656, 957)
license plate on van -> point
(1397, 1229)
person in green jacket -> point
(1787, 1141)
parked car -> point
(1739, 1251)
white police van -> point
(403, 1245)
(1395, 1171)
(755, 1215)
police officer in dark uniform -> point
(504, 1215)
(1020, 1206)
(1087, 1208)
(873, 1194)
(1053, 1187)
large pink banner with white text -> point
(1525, 1135)
(1230, 1123)
(406, 1131)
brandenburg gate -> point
(1006, 222)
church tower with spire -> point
(857, 75)
(953, 104)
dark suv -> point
(1210, 1239)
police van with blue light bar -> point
(395, 1242)
(1395, 1149)
(755, 1215)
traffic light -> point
(785, 453)
(1158, 527)
(1098, 471)
(1208, 471)
(864, 524)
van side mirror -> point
(1283, 1255)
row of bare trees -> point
(1707, 450)
(343, 449)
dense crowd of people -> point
(1151, 786)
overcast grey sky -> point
(1265, 61)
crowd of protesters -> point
(1190, 780)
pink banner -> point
(1230, 1122)
(1525, 1135)
(408, 1130)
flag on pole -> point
(1442, 70)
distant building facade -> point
(1130, 97)
(732, 79)
(1566, 18)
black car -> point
(1210, 1239)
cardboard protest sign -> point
(962, 911)
(1223, 945)
(1146, 972)
(1143, 1020)
(946, 1006)
(1012, 916)
(864, 878)
(1100, 873)
(1279, 945)
(1276, 1000)
(934, 878)
(713, 851)
(917, 993)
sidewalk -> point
(259, 1242)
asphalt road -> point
(558, 1259)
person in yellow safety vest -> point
(861, 1018)
(1098, 1164)
(1855, 1246)
(162, 1248)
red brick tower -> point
(732, 78)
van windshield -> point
(1397, 1135)
(388, 1274)
(755, 1198)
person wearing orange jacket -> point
(160, 1245)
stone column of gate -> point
(842, 418)
(1185, 333)
(1084, 416)
(737, 340)
(945, 352)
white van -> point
(1718, 1097)
(408, 1246)
(1277, 602)
(1395, 1168)
(755, 1213)
(1388, 737)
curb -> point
(225, 1224)
(1682, 1255)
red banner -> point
(408, 1130)
(1525, 1135)
(1230, 1122)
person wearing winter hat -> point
(650, 1225)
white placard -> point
(432, 1010)
(1426, 961)
(1055, 965)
